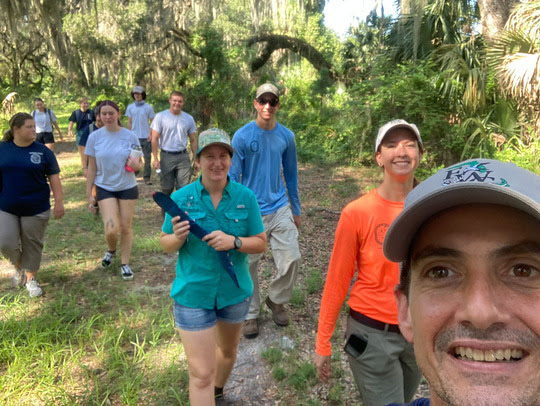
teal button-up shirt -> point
(201, 281)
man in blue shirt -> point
(263, 150)
(469, 292)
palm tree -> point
(515, 56)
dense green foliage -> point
(431, 66)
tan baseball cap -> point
(267, 88)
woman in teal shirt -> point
(209, 308)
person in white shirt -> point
(45, 120)
(171, 130)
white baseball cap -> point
(392, 125)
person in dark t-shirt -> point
(26, 170)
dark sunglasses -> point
(272, 102)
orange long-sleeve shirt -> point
(358, 245)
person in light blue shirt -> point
(209, 307)
(140, 114)
(111, 168)
(264, 151)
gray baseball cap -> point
(138, 89)
(267, 88)
(392, 125)
(474, 181)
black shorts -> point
(128, 194)
(45, 138)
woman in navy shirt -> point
(26, 170)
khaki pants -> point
(386, 371)
(282, 235)
(21, 239)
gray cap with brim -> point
(474, 181)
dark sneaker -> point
(19, 278)
(127, 275)
(33, 288)
(280, 314)
(220, 401)
(250, 329)
(107, 259)
(148, 182)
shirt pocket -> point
(237, 222)
(196, 215)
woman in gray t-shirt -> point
(111, 168)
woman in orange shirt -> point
(381, 360)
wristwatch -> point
(237, 243)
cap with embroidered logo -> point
(214, 136)
(267, 88)
(473, 181)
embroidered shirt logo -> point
(35, 157)
(474, 171)
(380, 232)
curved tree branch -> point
(275, 42)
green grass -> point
(292, 372)
(92, 339)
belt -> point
(376, 324)
(174, 152)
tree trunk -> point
(494, 14)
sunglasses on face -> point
(264, 102)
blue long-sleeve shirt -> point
(258, 159)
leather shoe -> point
(280, 314)
(250, 329)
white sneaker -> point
(107, 259)
(19, 278)
(127, 274)
(33, 288)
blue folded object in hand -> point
(171, 208)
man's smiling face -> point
(473, 309)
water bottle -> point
(136, 152)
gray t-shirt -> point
(111, 151)
(43, 120)
(140, 114)
(173, 130)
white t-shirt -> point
(111, 151)
(43, 121)
(173, 130)
(140, 115)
